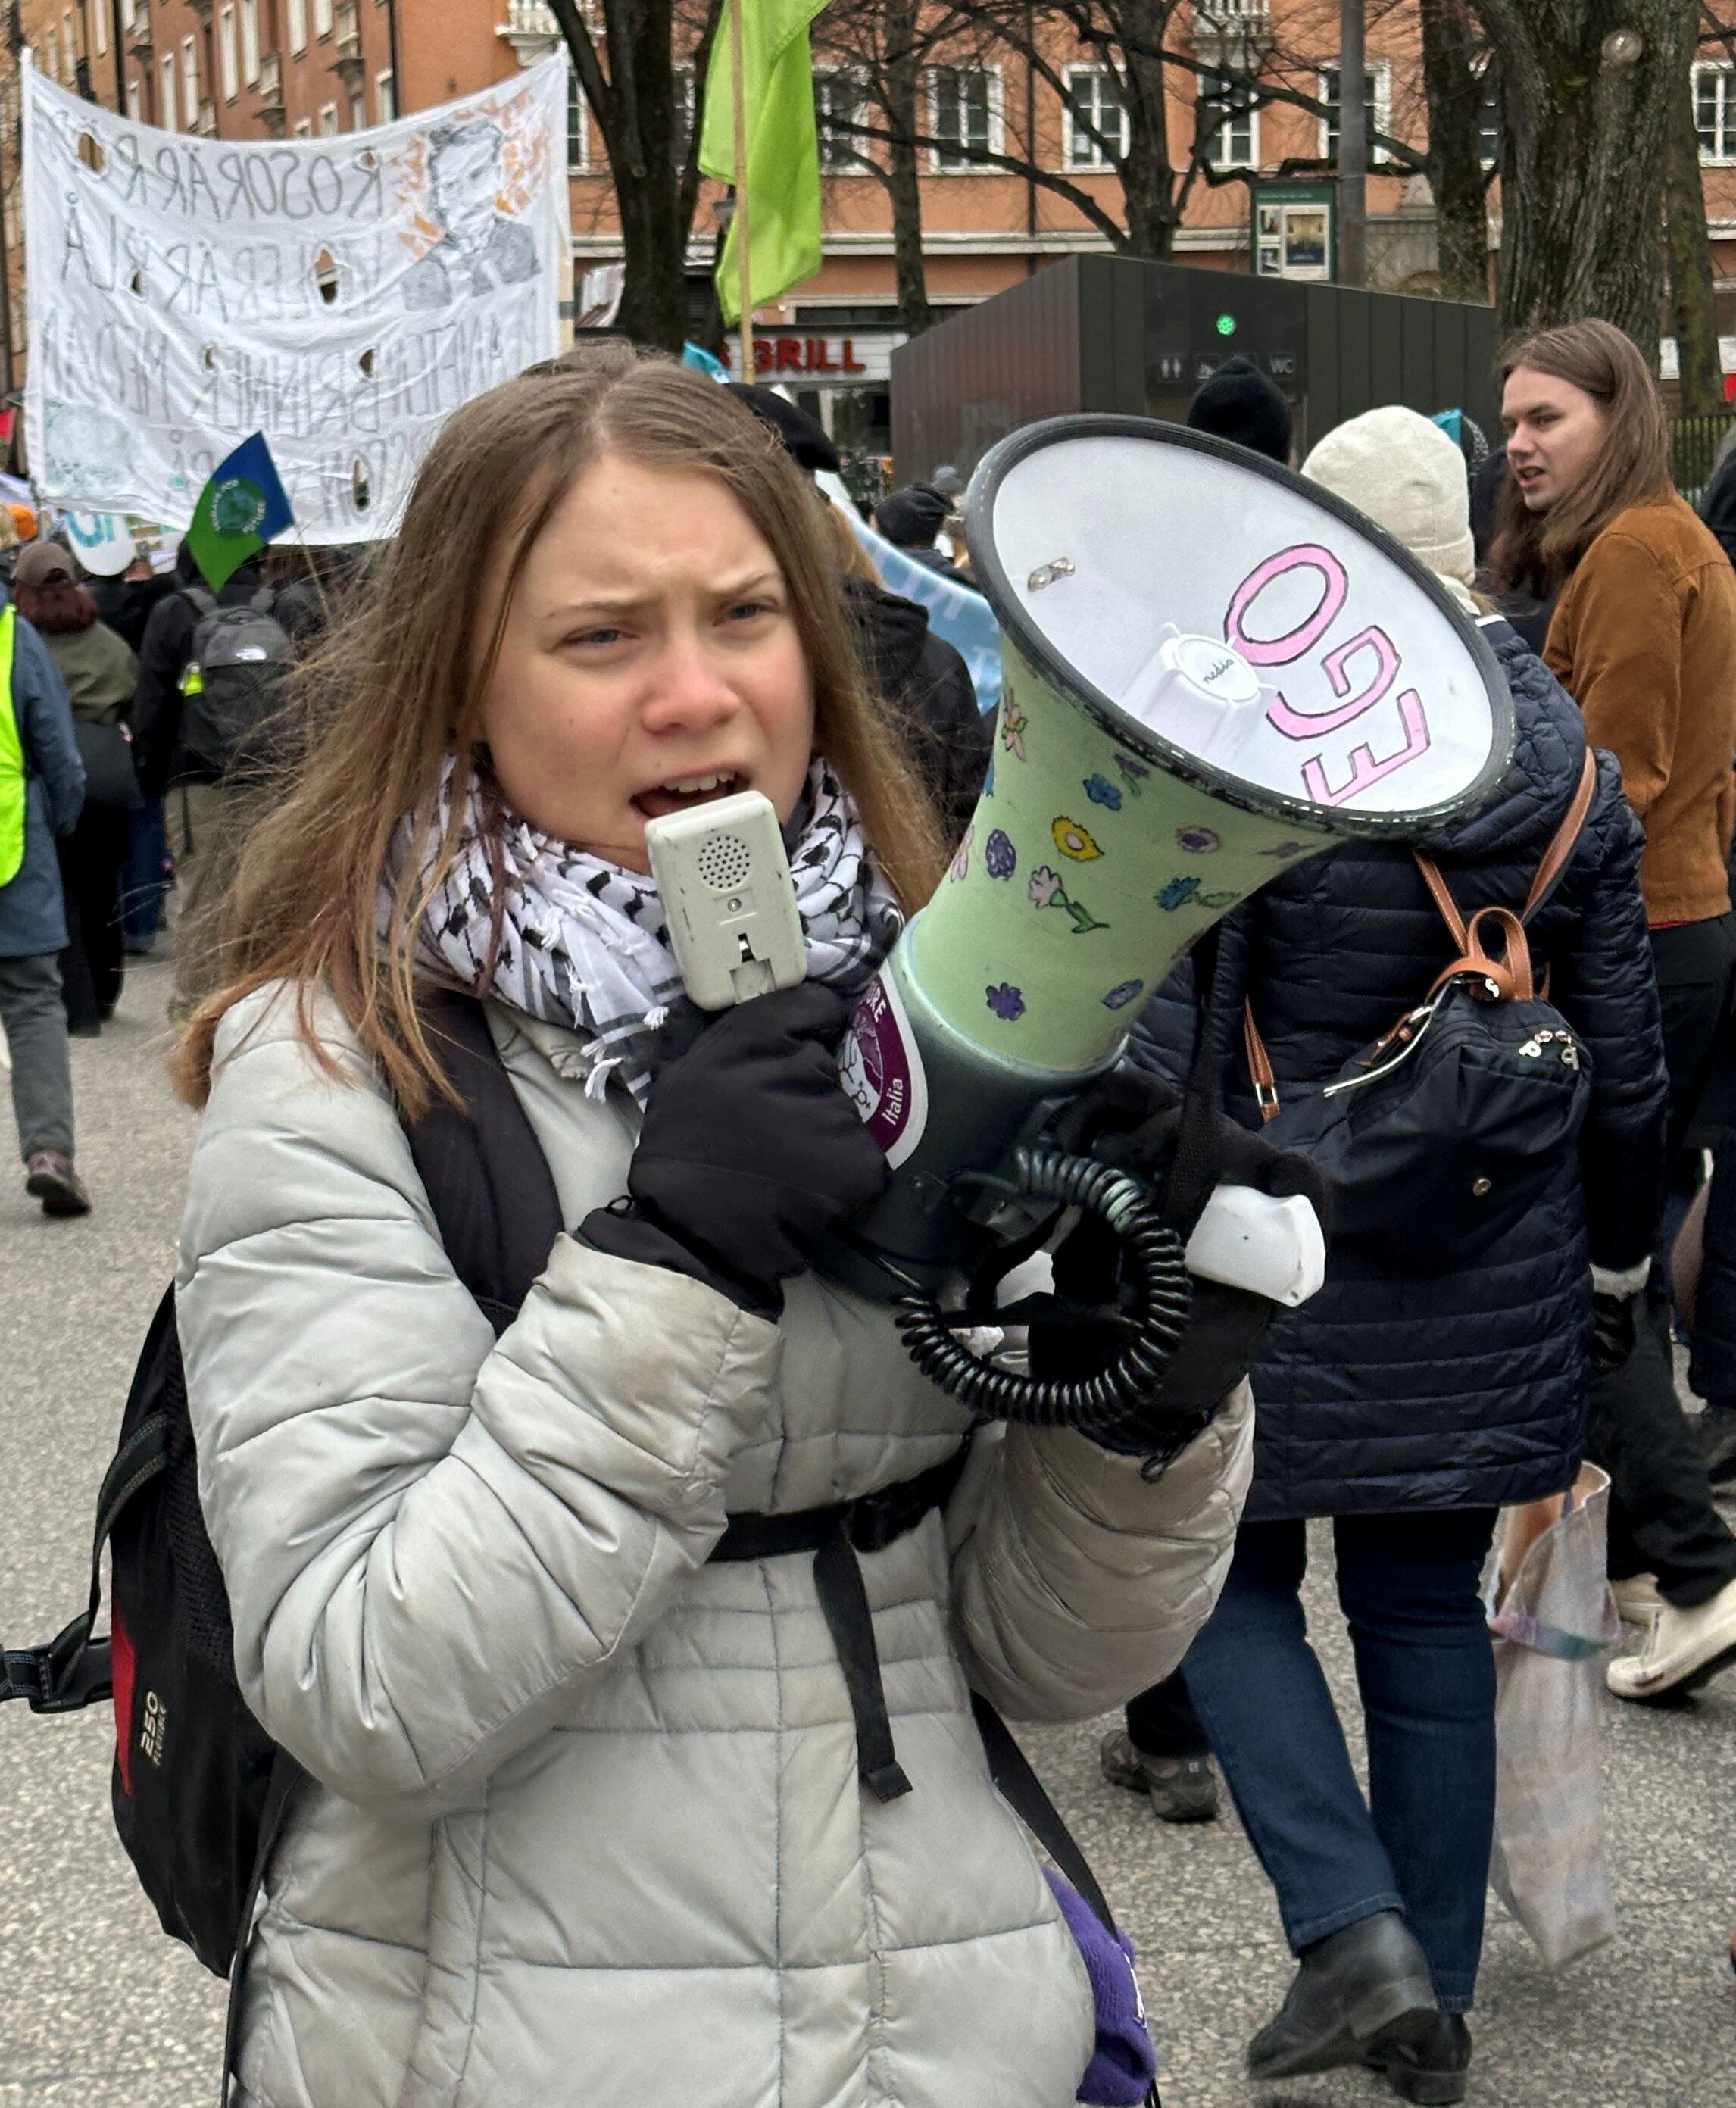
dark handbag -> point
(110, 777)
(1441, 1136)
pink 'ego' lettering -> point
(1280, 650)
(1364, 770)
(1293, 724)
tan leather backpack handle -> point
(1512, 973)
(1566, 837)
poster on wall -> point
(343, 295)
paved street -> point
(99, 2010)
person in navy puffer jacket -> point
(1410, 1409)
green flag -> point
(239, 511)
(782, 176)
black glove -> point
(1132, 1117)
(1615, 1332)
(749, 1150)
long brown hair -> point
(1533, 552)
(401, 683)
(58, 609)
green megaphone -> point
(1213, 671)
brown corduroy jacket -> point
(1645, 639)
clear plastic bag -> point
(1552, 1619)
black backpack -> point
(200, 1789)
(1438, 1138)
(232, 684)
(199, 1786)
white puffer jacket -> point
(583, 1824)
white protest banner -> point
(343, 295)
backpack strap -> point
(74, 1670)
(1199, 1161)
(1562, 845)
(1512, 973)
(1566, 839)
(487, 1179)
(204, 600)
(1440, 893)
(1259, 1066)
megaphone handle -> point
(1153, 1251)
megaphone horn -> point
(1212, 671)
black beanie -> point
(912, 517)
(804, 438)
(1239, 403)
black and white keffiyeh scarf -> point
(585, 944)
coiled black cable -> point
(1152, 1254)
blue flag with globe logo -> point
(239, 511)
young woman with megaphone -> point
(584, 1816)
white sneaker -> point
(1636, 1598)
(1681, 1650)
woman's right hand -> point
(749, 1150)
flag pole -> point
(744, 261)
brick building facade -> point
(290, 69)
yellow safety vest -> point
(14, 784)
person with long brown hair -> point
(1644, 637)
(587, 1816)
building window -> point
(135, 102)
(328, 120)
(840, 102)
(358, 112)
(575, 138)
(297, 11)
(1377, 100)
(100, 24)
(323, 18)
(303, 127)
(189, 82)
(166, 92)
(385, 97)
(69, 46)
(1228, 114)
(228, 67)
(126, 13)
(250, 41)
(1094, 119)
(964, 114)
(1715, 112)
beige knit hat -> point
(1407, 475)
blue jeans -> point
(143, 880)
(1425, 1670)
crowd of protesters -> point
(432, 1603)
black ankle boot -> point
(1425, 2057)
(1352, 1991)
